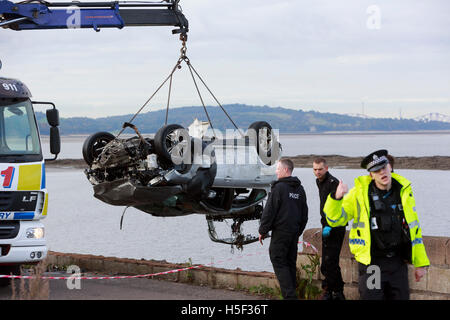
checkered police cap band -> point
(376, 163)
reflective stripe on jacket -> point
(355, 206)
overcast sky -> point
(382, 57)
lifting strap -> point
(181, 59)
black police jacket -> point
(326, 186)
(286, 208)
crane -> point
(22, 165)
(229, 191)
(39, 14)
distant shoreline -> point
(337, 161)
(85, 135)
(305, 161)
(329, 133)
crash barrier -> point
(148, 275)
(435, 285)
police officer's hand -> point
(261, 237)
(341, 190)
(326, 232)
(419, 273)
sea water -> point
(79, 223)
(345, 144)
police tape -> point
(74, 277)
(307, 244)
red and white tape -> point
(306, 244)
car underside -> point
(178, 173)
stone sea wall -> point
(435, 285)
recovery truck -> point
(23, 195)
(23, 192)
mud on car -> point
(180, 172)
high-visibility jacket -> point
(355, 206)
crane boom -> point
(37, 15)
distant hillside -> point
(286, 120)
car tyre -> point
(94, 145)
(172, 141)
(266, 144)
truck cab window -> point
(18, 132)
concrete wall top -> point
(438, 248)
(78, 258)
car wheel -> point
(265, 140)
(94, 144)
(172, 143)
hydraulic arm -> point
(30, 15)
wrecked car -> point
(183, 171)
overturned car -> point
(183, 171)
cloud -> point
(362, 59)
(313, 54)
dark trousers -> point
(283, 255)
(331, 249)
(392, 284)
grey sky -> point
(329, 56)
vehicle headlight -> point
(35, 233)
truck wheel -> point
(94, 145)
(266, 144)
(172, 143)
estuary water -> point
(79, 223)
(345, 144)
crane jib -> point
(96, 15)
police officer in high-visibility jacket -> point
(385, 234)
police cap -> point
(375, 161)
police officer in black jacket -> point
(332, 238)
(286, 215)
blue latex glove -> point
(326, 232)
